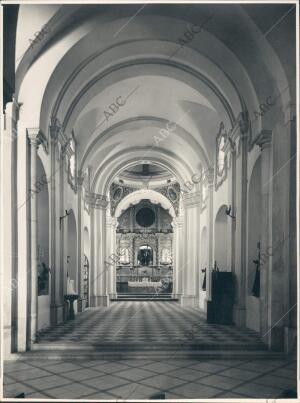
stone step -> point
(90, 354)
(144, 297)
(146, 346)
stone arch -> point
(138, 195)
(220, 239)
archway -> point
(254, 237)
(44, 282)
(204, 267)
(220, 244)
(144, 245)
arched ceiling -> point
(135, 197)
(116, 81)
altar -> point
(129, 280)
(145, 283)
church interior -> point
(149, 201)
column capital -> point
(264, 139)
(240, 131)
(111, 221)
(54, 129)
(210, 176)
(97, 201)
(178, 222)
(80, 180)
(192, 199)
(37, 137)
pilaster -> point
(192, 207)
(9, 254)
(98, 283)
(35, 140)
(210, 205)
(56, 232)
(264, 141)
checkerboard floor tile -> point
(153, 322)
(173, 378)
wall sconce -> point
(64, 216)
(228, 211)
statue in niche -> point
(145, 256)
(43, 279)
(165, 256)
(124, 257)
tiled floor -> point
(153, 323)
(143, 379)
(162, 322)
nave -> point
(149, 199)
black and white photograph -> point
(149, 176)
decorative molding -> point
(172, 193)
(264, 139)
(54, 130)
(33, 135)
(36, 137)
(221, 172)
(209, 175)
(192, 199)
(117, 192)
(240, 131)
(97, 201)
(44, 142)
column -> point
(80, 248)
(264, 141)
(240, 205)
(111, 256)
(210, 226)
(56, 308)
(178, 254)
(99, 270)
(35, 141)
(192, 204)
(9, 213)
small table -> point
(71, 298)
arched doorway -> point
(44, 282)
(254, 237)
(220, 244)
